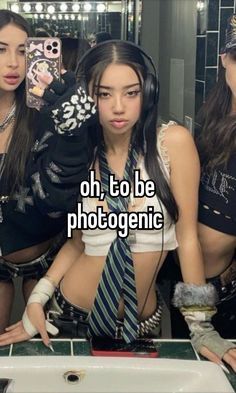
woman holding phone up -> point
(41, 167)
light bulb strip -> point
(59, 7)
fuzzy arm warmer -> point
(197, 304)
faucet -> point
(6, 385)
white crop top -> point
(97, 242)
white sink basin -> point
(87, 374)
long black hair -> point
(144, 135)
(22, 134)
(217, 139)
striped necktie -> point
(118, 278)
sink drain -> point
(74, 376)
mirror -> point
(82, 19)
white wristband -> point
(42, 292)
(32, 331)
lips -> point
(11, 79)
(119, 123)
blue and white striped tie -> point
(118, 277)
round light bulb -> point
(101, 7)
(39, 7)
(27, 7)
(15, 8)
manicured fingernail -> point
(224, 368)
(49, 345)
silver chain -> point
(9, 117)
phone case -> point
(42, 55)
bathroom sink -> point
(85, 374)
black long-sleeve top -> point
(56, 165)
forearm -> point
(68, 254)
(191, 261)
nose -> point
(13, 60)
(118, 104)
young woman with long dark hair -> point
(35, 159)
(104, 283)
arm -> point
(59, 159)
(33, 321)
(184, 182)
(195, 299)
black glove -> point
(69, 105)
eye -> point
(22, 51)
(133, 93)
(102, 94)
(2, 50)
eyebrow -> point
(4, 43)
(125, 87)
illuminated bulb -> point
(75, 7)
(87, 7)
(66, 17)
(41, 16)
(79, 17)
(101, 7)
(36, 16)
(60, 16)
(48, 16)
(72, 17)
(54, 17)
(51, 9)
(15, 8)
(39, 7)
(63, 7)
(27, 7)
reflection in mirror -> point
(83, 19)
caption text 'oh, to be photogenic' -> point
(122, 221)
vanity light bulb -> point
(51, 9)
(63, 7)
(15, 8)
(87, 7)
(39, 7)
(75, 7)
(101, 7)
(27, 7)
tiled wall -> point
(212, 21)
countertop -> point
(175, 349)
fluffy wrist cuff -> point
(42, 292)
(186, 295)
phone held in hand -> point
(105, 346)
(43, 55)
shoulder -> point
(180, 146)
(175, 135)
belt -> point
(225, 283)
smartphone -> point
(143, 348)
(42, 55)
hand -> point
(69, 105)
(16, 333)
(229, 357)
